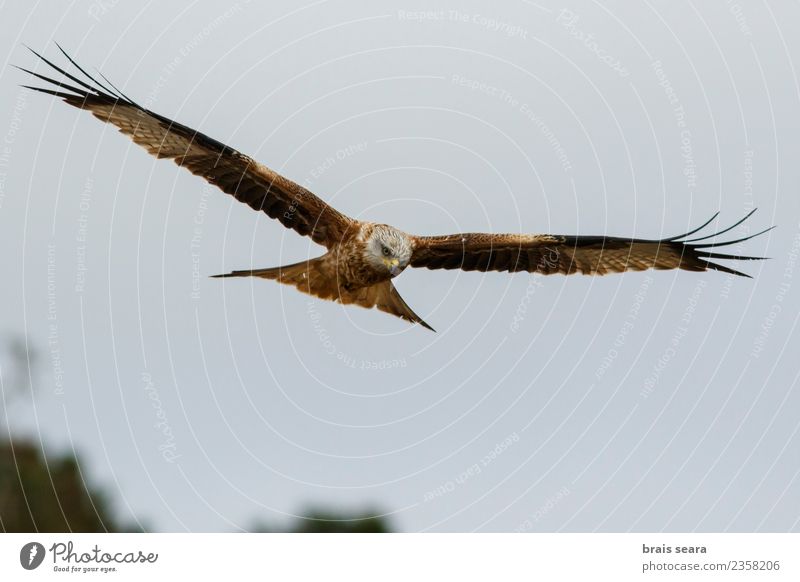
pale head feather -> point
(395, 242)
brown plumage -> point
(363, 257)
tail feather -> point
(385, 297)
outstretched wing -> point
(231, 171)
(591, 255)
(383, 296)
(389, 300)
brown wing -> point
(385, 297)
(592, 255)
(232, 172)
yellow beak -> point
(393, 265)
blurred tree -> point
(37, 493)
(17, 362)
(44, 495)
(320, 520)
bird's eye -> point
(385, 251)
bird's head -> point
(388, 248)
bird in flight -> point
(363, 258)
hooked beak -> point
(394, 267)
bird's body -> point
(362, 258)
(356, 270)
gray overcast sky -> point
(649, 401)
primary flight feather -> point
(364, 257)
